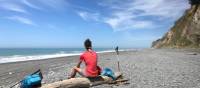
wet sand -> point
(146, 68)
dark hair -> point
(88, 44)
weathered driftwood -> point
(81, 82)
(69, 83)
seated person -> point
(89, 57)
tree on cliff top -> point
(194, 2)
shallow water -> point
(24, 54)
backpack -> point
(32, 80)
(108, 72)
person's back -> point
(89, 57)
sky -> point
(67, 23)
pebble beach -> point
(145, 68)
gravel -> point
(145, 68)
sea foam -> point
(18, 58)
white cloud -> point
(20, 5)
(12, 7)
(89, 16)
(120, 14)
(28, 3)
(163, 8)
(56, 4)
(119, 24)
(138, 14)
(22, 20)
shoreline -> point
(21, 58)
(146, 68)
(22, 68)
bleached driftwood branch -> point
(81, 82)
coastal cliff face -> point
(185, 33)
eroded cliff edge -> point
(186, 31)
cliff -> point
(185, 33)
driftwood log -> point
(81, 82)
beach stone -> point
(10, 73)
(145, 68)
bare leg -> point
(74, 71)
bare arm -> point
(79, 64)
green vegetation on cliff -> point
(186, 31)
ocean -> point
(8, 55)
